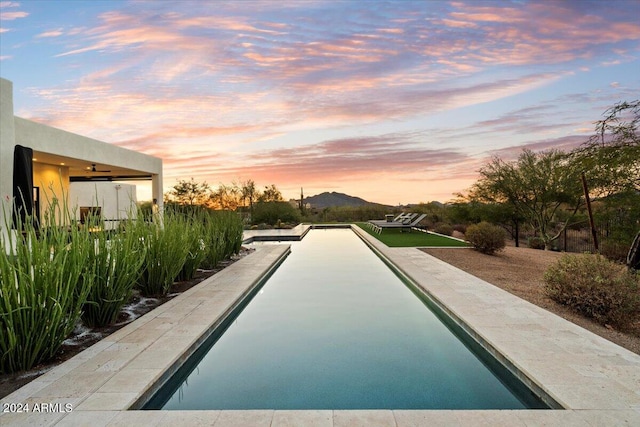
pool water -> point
(335, 328)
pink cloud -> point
(10, 16)
(51, 33)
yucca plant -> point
(166, 250)
(115, 265)
(41, 290)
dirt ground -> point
(520, 271)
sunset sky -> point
(394, 102)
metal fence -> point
(581, 240)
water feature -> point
(335, 328)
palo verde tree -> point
(249, 193)
(611, 157)
(190, 192)
(270, 194)
(610, 160)
(542, 188)
(226, 197)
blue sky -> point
(395, 102)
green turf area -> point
(396, 239)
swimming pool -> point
(335, 328)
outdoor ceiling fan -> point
(93, 169)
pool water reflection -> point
(335, 328)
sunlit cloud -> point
(10, 16)
(322, 93)
(51, 33)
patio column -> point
(156, 191)
(7, 144)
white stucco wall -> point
(17, 131)
(117, 201)
(7, 144)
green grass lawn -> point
(397, 239)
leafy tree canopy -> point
(538, 186)
(189, 192)
(611, 157)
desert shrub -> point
(486, 238)
(42, 288)
(594, 287)
(615, 250)
(271, 212)
(535, 243)
(115, 266)
(461, 228)
(443, 228)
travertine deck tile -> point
(254, 418)
(101, 401)
(318, 418)
(84, 419)
(364, 418)
(597, 379)
(188, 418)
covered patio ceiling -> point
(82, 170)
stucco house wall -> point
(61, 148)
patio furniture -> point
(379, 226)
(402, 218)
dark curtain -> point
(22, 184)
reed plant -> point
(42, 286)
(115, 265)
(222, 236)
(197, 248)
(166, 251)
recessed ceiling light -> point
(35, 160)
(61, 164)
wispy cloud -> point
(51, 33)
(7, 13)
(265, 89)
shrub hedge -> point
(486, 238)
(443, 228)
(595, 287)
(535, 243)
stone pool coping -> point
(595, 380)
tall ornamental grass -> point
(166, 251)
(42, 288)
(115, 263)
(222, 236)
(197, 248)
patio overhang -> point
(81, 170)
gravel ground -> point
(519, 271)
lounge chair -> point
(400, 218)
(378, 227)
(404, 218)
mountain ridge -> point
(334, 199)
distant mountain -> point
(326, 199)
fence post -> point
(593, 227)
